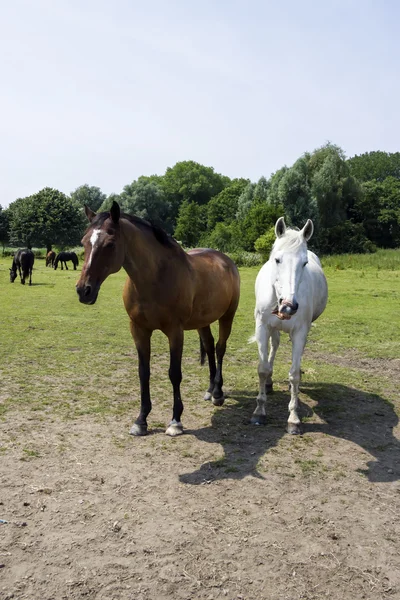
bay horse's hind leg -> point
(142, 337)
(175, 374)
(225, 327)
(207, 340)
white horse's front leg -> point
(264, 373)
(298, 342)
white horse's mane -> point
(290, 240)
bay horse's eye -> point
(110, 245)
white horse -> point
(291, 292)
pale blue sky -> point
(102, 92)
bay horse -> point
(50, 258)
(23, 261)
(63, 257)
(291, 292)
(166, 289)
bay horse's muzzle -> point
(87, 293)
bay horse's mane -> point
(159, 233)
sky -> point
(103, 92)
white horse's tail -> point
(251, 339)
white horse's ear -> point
(89, 213)
(308, 230)
(280, 227)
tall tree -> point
(146, 198)
(375, 165)
(90, 195)
(191, 182)
(191, 224)
(46, 218)
(223, 207)
(4, 227)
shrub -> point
(264, 243)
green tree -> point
(191, 182)
(264, 243)
(259, 219)
(245, 201)
(294, 193)
(46, 218)
(375, 165)
(4, 227)
(223, 207)
(191, 224)
(378, 209)
(224, 237)
(90, 195)
(146, 198)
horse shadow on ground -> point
(344, 412)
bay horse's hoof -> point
(207, 396)
(258, 420)
(218, 401)
(138, 430)
(174, 429)
(294, 428)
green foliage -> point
(223, 207)
(224, 237)
(246, 259)
(345, 237)
(245, 201)
(378, 209)
(191, 224)
(4, 227)
(146, 198)
(92, 196)
(259, 219)
(264, 243)
(191, 182)
(294, 193)
(46, 218)
(375, 166)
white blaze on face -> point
(93, 240)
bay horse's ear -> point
(280, 227)
(115, 211)
(308, 230)
(89, 213)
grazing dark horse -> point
(23, 261)
(50, 258)
(62, 257)
(166, 289)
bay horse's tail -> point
(202, 353)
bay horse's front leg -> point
(142, 337)
(298, 343)
(175, 374)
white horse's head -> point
(288, 259)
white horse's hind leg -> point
(298, 343)
(264, 374)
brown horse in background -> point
(23, 261)
(50, 258)
(166, 289)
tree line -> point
(354, 204)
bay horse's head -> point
(104, 253)
(288, 258)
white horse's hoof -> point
(174, 429)
(207, 396)
(218, 401)
(294, 428)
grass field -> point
(227, 510)
(55, 352)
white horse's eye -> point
(277, 260)
(306, 263)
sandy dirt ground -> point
(228, 510)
